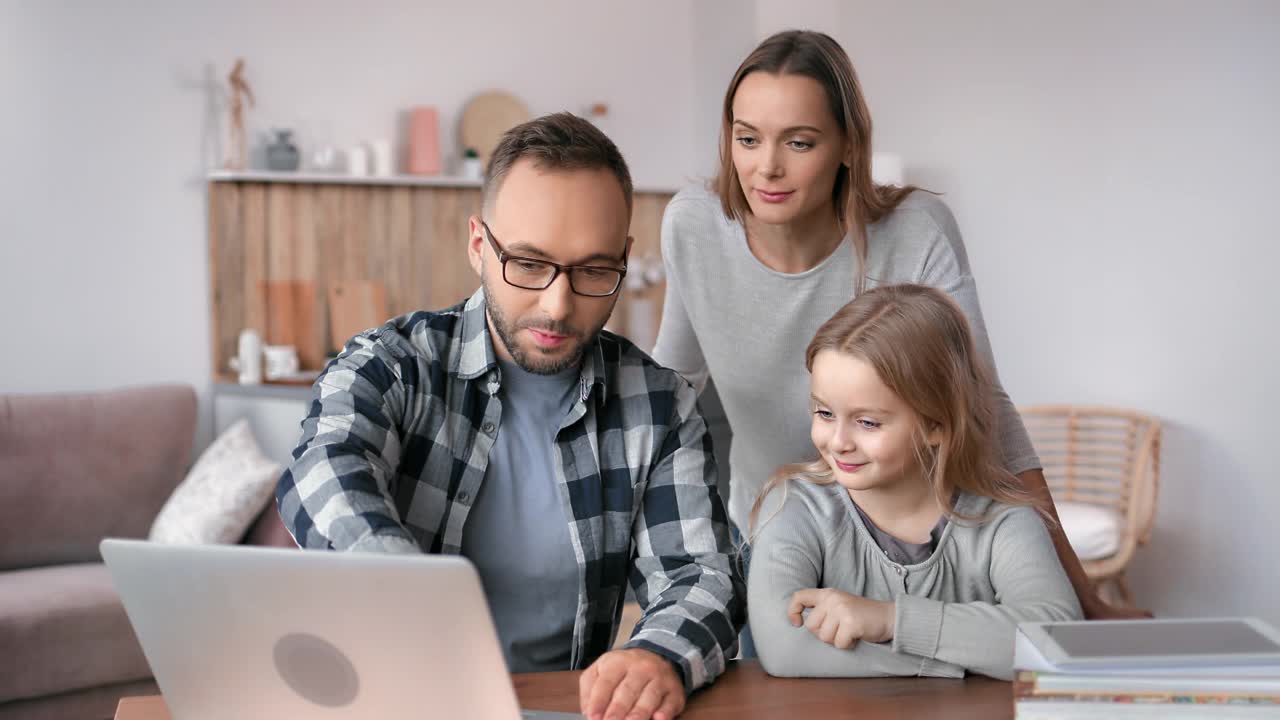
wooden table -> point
(745, 692)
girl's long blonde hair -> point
(858, 201)
(918, 341)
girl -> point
(904, 549)
(792, 229)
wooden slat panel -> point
(355, 234)
(356, 306)
(403, 295)
(422, 221)
(304, 228)
(453, 280)
(329, 254)
(226, 270)
(281, 237)
(282, 327)
(255, 257)
(309, 307)
(378, 259)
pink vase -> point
(424, 142)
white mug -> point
(282, 361)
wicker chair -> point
(1101, 458)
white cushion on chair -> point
(1092, 530)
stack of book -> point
(1055, 681)
(1062, 696)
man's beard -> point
(535, 361)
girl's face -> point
(864, 431)
(787, 146)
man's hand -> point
(840, 619)
(631, 684)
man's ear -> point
(475, 244)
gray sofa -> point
(73, 470)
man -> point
(558, 458)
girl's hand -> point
(1098, 609)
(840, 619)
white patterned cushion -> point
(226, 489)
(1092, 530)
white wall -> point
(1114, 167)
(1111, 165)
(723, 34)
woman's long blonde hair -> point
(858, 201)
(918, 341)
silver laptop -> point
(243, 632)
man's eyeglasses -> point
(534, 274)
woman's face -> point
(787, 146)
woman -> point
(789, 231)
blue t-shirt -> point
(517, 534)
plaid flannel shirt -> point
(397, 439)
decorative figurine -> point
(239, 90)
